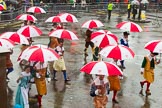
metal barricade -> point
(55, 8)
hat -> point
(154, 53)
(125, 33)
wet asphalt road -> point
(76, 93)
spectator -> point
(110, 8)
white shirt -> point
(60, 50)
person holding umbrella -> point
(124, 41)
(59, 65)
(40, 80)
(147, 70)
(88, 41)
(100, 90)
(114, 82)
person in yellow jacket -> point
(129, 9)
(147, 70)
(110, 8)
(4, 4)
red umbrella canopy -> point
(39, 53)
(15, 37)
(55, 19)
(36, 9)
(92, 24)
(154, 46)
(129, 26)
(103, 38)
(101, 68)
(30, 31)
(6, 43)
(64, 34)
(25, 17)
(117, 51)
(68, 17)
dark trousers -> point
(129, 11)
(109, 14)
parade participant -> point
(129, 10)
(124, 41)
(40, 80)
(95, 53)
(23, 62)
(110, 8)
(53, 42)
(147, 70)
(59, 65)
(23, 88)
(9, 65)
(88, 41)
(100, 90)
(114, 82)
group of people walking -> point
(101, 86)
(36, 72)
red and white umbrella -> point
(55, 19)
(39, 53)
(6, 43)
(1, 7)
(30, 31)
(101, 68)
(64, 34)
(129, 26)
(36, 9)
(154, 46)
(103, 38)
(117, 51)
(68, 17)
(26, 17)
(92, 24)
(15, 37)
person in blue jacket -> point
(124, 41)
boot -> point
(85, 52)
(148, 92)
(141, 92)
(65, 76)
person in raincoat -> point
(147, 70)
(114, 82)
(40, 80)
(129, 7)
(100, 90)
(23, 88)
